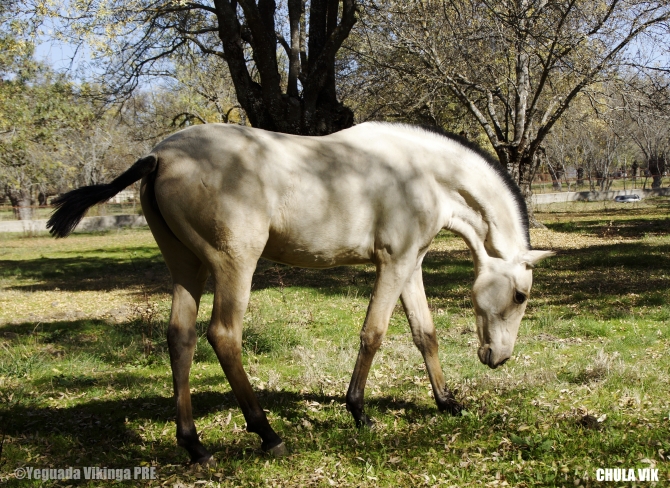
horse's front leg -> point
(231, 297)
(414, 302)
(390, 281)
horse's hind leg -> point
(189, 282)
(188, 276)
(231, 296)
(414, 301)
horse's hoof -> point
(451, 407)
(279, 450)
(365, 422)
(211, 462)
(208, 461)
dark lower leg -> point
(225, 336)
(426, 342)
(444, 398)
(254, 415)
(181, 343)
(390, 280)
(187, 435)
(188, 276)
(356, 392)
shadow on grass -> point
(30, 348)
(606, 226)
(442, 271)
(88, 273)
(104, 426)
(52, 328)
(622, 274)
(598, 272)
(106, 274)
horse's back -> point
(310, 201)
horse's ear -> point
(531, 258)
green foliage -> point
(39, 112)
(14, 56)
(55, 133)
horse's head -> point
(499, 295)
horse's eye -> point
(519, 297)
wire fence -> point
(39, 212)
(543, 183)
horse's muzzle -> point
(487, 357)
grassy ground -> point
(85, 380)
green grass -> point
(85, 378)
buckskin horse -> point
(218, 197)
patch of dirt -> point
(119, 314)
(54, 351)
(551, 240)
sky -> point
(60, 56)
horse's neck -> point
(484, 213)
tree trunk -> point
(555, 179)
(656, 168)
(521, 166)
(22, 202)
(270, 103)
(316, 113)
(527, 167)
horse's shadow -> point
(149, 273)
(103, 426)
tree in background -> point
(503, 73)
(53, 137)
(515, 65)
(647, 107)
(375, 92)
(39, 110)
(281, 56)
(594, 137)
(205, 94)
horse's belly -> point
(314, 250)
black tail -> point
(71, 207)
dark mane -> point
(497, 168)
